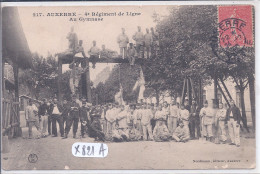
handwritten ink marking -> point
(77, 149)
(102, 149)
(80, 149)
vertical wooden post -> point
(59, 79)
(17, 131)
(16, 82)
(193, 93)
(88, 82)
(3, 79)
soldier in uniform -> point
(138, 37)
(66, 109)
(181, 133)
(194, 120)
(160, 132)
(73, 117)
(138, 116)
(73, 39)
(123, 40)
(207, 116)
(186, 104)
(220, 124)
(130, 118)
(153, 109)
(131, 53)
(94, 53)
(95, 129)
(56, 113)
(173, 117)
(147, 115)
(184, 115)
(122, 121)
(110, 117)
(233, 120)
(31, 116)
(103, 119)
(118, 135)
(166, 110)
(84, 117)
(133, 134)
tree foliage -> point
(121, 73)
(42, 79)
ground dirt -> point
(55, 153)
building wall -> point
(231, 86)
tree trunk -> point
(242, 100)
(215, 100)
(157, 96)
(251, 83)
(200, 93)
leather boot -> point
(74, 135)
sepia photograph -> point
(128, 87)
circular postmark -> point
(32, 158)
(231, 35)
(232, 38)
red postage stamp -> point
(235, 26)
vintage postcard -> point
(121, 87)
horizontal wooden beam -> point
(68, 60)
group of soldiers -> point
(145, 46)
(135, 122)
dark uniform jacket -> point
(236, 114)
(95, 114)
(43, 110)
(52, 107)
(66, 110)
(194, 109)
(83, 113)
(74, 109)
